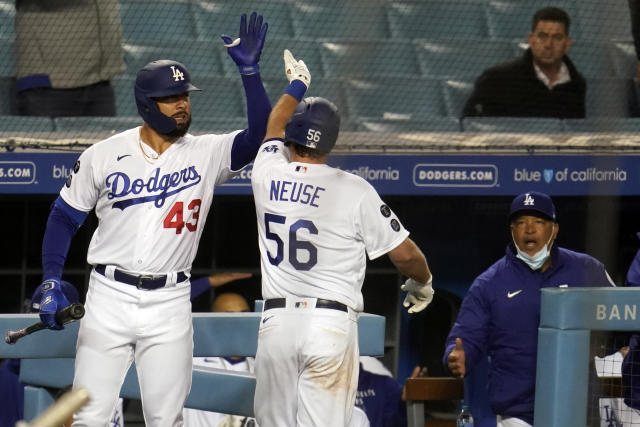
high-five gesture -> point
(296, 70)
(246, 49)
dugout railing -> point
(566, 320)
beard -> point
(180, 129)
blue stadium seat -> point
(456, 93)
(427, 124)
(444, 19)
(200, 58)
(26, 124)
(217, 125)
(7, 95)
(465, 59)
(331, 89)
(604, 125)
(271, 64)
(221, 97)
(611, 98)
(7, 15)
(512, 125)
(395, 99)
(151, 21)
(96, 124)
(223, 17)
(625, 61)
(339, 20)
(511, 20)
(123, 91)
(371, 58)
(604, 20)
(7, 58)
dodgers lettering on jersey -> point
(297, 192)
(151, 211)
(316, 225)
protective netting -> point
(390, 66)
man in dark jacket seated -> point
(542, 83)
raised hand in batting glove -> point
(53, 300)
(296, 70)
(246, 49)
(419, 295)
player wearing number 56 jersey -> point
(151, 188)
(316, 225)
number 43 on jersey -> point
(176, 216)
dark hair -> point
(554, 14)
(303, 151)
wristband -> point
(248, 69)
(296, 89)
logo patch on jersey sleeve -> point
(395, 225)
(270, 148)
(76, 167)
(68, 181)
(385, 211)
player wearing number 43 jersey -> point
(316, 225)
(151, 188)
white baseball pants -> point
(123, 324)
(306, 366)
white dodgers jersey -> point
(316, 225)
(151, 211)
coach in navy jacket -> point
(500, 314)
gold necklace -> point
(148, 158)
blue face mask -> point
(535, 261)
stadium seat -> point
(331, 89)
(25, 124)
(205, 125)
(443, 19)
(339, 20)
(512, 125)
(456, 93)
(425, 124)
(371, 58)
(223, 17)
(395, 99)
(200, 58)
(221, 97)
(625, 61)
(604, 20)
(464, 59)
(151, 21)
(123, 91)
(604, 125)
(611, 98)
(7, 95)
(271, 64)
(511, 20)
(7, 15)
(7, 58)
(96, 124)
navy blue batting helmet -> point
(156, 79)
(315, 123)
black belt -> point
(321, 303)
(143, 281)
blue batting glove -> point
(246, 49)
(53, 300)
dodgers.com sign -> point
(419, 174)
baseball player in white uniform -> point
(151, 188)
(315, 225)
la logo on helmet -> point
(177, 74)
